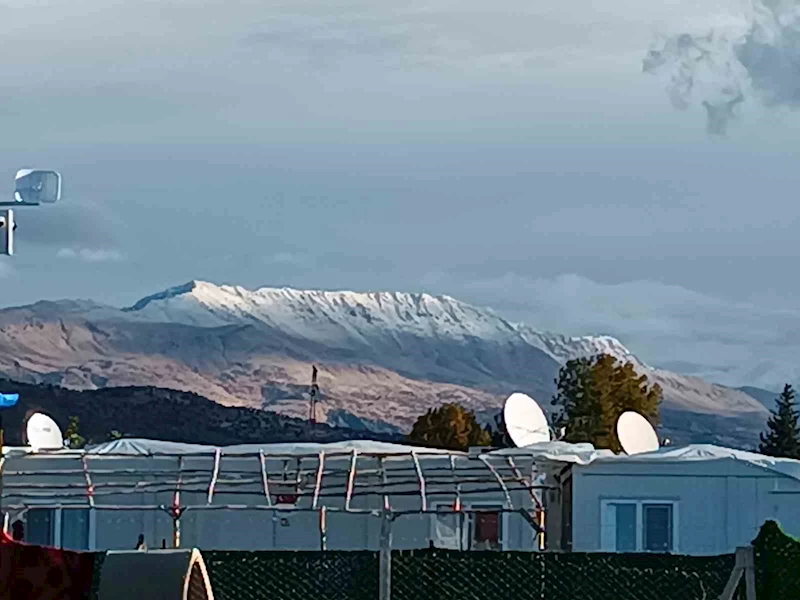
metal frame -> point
(378, 475)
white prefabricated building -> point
(696, 500)
(301, 496)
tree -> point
(498, 433)
(594, 392)
(782, 438)
(74, 439)
(450, 426)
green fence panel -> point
(445, 575)
(452, 575)
(635, 576)
(268, 575)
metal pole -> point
(323, 528)
(385, 563)
(8, 223)
(176, 508)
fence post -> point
(749, 566)
(385, 562)
(745, 565)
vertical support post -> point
(423, 494)
(748, 561)
(2, 464)
(8, 223)
(458, 506)
(745, 565)
(265, 477)
(385, 561)
(176, 508)
(323, 528)
(88, 478)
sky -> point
(618, 168)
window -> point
(478, 527)
(486, 531)
(41, 527)
(485, 528)
(63, 528)
(447, 529)
(74, 529)
(639, 526)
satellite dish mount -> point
(32, 188)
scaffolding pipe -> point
(318, 481)
(351, 477)
(264, 478)
(499, 479)
(214, 474)
(323, 529)
(421, 479)
(88, 479)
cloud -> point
(68, 224)
(6, 270)
(90, 255)
(286, 258)
(665, 325)
(752, 58)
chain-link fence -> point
(451, 575)
(269, 575)
(437, 575)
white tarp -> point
(706, 452)
(143, 447)
(555, 453)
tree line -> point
(591, 394)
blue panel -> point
(7, 400)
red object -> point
(30, 572)
(487, 527)
(286, 499)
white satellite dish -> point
(636, 434)
(525, 421)
(43, 433)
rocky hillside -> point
(160, 414)
(384, 358)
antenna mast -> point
(312, 397)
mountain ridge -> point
(384, 357)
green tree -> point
(594, 392)
(450, 426)
(74, 439)
(498, 433)
(782, 438)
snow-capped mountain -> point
(384, 357)
(335, 317)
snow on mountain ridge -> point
(329, 316)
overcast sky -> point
(512, 155)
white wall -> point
(721, 504)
